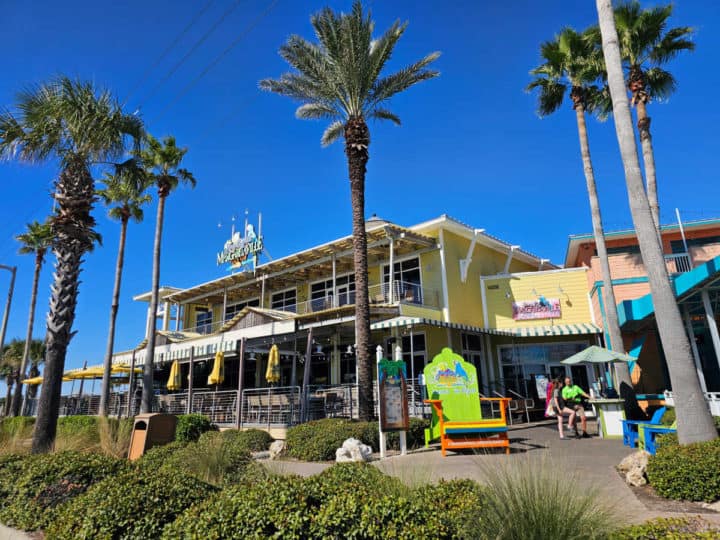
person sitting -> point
(558, 405)
(573, 396)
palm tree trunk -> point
(643, 125)
(17, 398)
(147, 391)
(357, 140)
(107, 364)
(72, 227)
(694, 420)
(8, 396)
(611, 317)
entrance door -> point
(579, 376)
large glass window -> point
(406, 280)
(234, 309)
(285, 300)
(416, 357)
(203, 321)
(472, 352)
(321, 293)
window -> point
(234, 309)
(285, 300)
(406, 280)
(633, 249)
(321, 293)
(416, 361)
(678, 247)
(472, 352)
(203, 321)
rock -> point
(715, 507)
(634, 467)
(353, 450)
(276, 449)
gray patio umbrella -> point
(597, 355)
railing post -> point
(191, 373)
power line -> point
(170, 47)
(249, 28)
(195, 46)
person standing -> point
(560, 408)
(573, 396)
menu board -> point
(393, 406)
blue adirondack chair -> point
(630, 427)
(648, 434)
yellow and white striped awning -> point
(531, 331)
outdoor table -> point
(609, 413)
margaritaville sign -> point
(243, 250)
(542, 308)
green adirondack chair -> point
(452, 387)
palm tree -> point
(162, 161)
(339, 79)
(695, 422)
(646, 45)
(10, 360)
(70, 121)
(37, 240)
(124, 194)
(571, 66)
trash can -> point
(610, 413)
(150, 430)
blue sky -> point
(470, 145)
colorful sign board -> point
(394, 414)
(242, 251)
(542, 308)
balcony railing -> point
(678, 263)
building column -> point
(693, 346)
(391, 273)
(712, 323)
(166, 316)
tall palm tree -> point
(646, 46)
(79, 126)
(124, 195)
(162, 161)
(571, 67)
(37, 240)
(10, 359)
(694, 420)
(339, 79)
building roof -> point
(575, 240)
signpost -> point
(393, 414)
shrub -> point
(668, 417)
(668, 529)
(158, 456)
(457, 501)
(352, 478)
(318, 440)
(115, 436)
(49, 481)
(11, 468)
(415, 434)
(16, 426)
(533, 499)
(255, 440)
(191, 426)
(276, 507)
(214, 458)
(131, 505)
(688, 472)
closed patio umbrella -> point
(217, 375)
(33, 380)
(174, 381)
(272, 373)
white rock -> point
(636, 477)
(634, 460)
(276, 449)
(353, 450)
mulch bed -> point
(654, 502)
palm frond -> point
(387, 87)
(332, 133)
(384, 114)
(315, 111)
(37, 239)
(659, 83)
(672, 43)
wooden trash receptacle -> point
(150, 430)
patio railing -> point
(711, 398)
(678, 263)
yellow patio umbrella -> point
(124, 368)
(95, 372)
(33, 380)
(272, 373)
(174, 382)
(217, 375)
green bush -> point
(255, 440)
(191, 426)
(49, 481)
(668, 417)
(158, 456)
(415, 434)
(16, 426)
(132, 505)
(352, 477)
(457, 501)
(688, 472)
(12, 466)
(668, 529)
(318, 440)
(276, 507)
(214, 458)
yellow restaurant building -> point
(512, 314)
